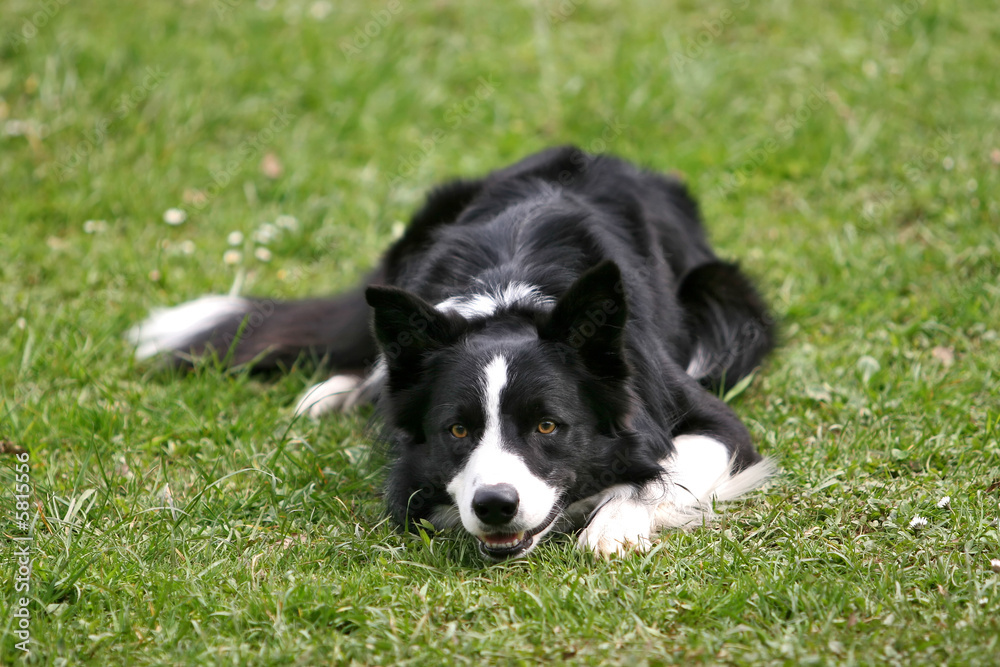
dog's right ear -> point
(406, 326)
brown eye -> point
(546, 427)
(459, 431)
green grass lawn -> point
(847, 153)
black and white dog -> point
(544, 345)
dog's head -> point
(504, 414)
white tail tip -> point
(172, 329)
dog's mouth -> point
(501, 546)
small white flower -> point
(320, 10)
(187, 247)
(22, 324)
(944, 502)
(234, 238)
(174, 216)
(918, 522)
(232, 257)
(265, 233)
(263, 254)
(95, 226)
(995, 565)
(287, 222)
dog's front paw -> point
(620, 526)
(325, 397)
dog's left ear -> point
(590, 318)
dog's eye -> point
(459, 431)
(546, 427)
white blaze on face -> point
(492, 462)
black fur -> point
(622, 251)
(629, 292)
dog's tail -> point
(731, 329)
(266, 333)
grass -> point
(848, 154)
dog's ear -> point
(590, 318)
(406, 326)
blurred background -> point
(787, 121)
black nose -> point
(495, 504)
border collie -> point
(545, 346)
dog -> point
(545, 346)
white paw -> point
(620, 526)
(332, 395)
